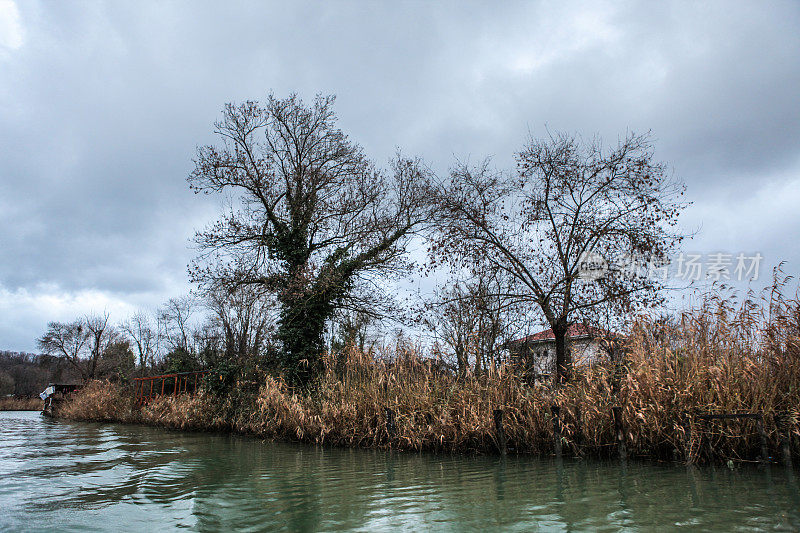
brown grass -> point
(20, 404)
(719, 358)
(100, 401)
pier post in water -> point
(391, 427)
(619, 431)
(556, 410)
(500, 431)
(784, 432)
(687, 432)
(763, 435)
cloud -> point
(27, 311)
(11, 30)
(102, 106)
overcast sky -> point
(102, 106)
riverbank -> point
(717, 360)
(20, 404)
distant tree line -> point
(184, 334)
(27, 374)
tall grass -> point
(721, 357)
(100, 401)
(14, 403)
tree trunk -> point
(300, 331)
(462, 360)
(563, 370)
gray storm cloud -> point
(102, 106)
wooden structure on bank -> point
(150, 387)
(54, 394)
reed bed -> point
(99, 401)
(720, 358)
(20, 404)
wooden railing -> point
(150, 387)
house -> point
(535, 354)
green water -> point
(63, 476)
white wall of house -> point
(584, 352)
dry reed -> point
(13, 403)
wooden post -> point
(707, 433)
(163, 381)
(501, 433)
(687, 430)
(391, 428)
(763, 434)
(620, 432)
(556, 411)
(784, 432)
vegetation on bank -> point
(717, 359)
(13, 403)
(293, 275)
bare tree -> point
(141, 331)
(452, 318)
(244, 318)
(67, 341)
(314, 217)
(474, 318)
(350, 328)
(101, 335)
(568, 201)
(81, 343)
(173, 323)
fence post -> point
(620, 432)
(763, 435)
(556, 410)
(391, 428)
(687, 430)
(501, 433)
(784, 432)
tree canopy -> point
(568, 203)
(312, 219)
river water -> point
(68, 476)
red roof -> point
(575, 331)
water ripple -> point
(95, 477)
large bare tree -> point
(81, 343)
(67, 341)
(313, 217)
(569, 203)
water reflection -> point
(76, 476)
